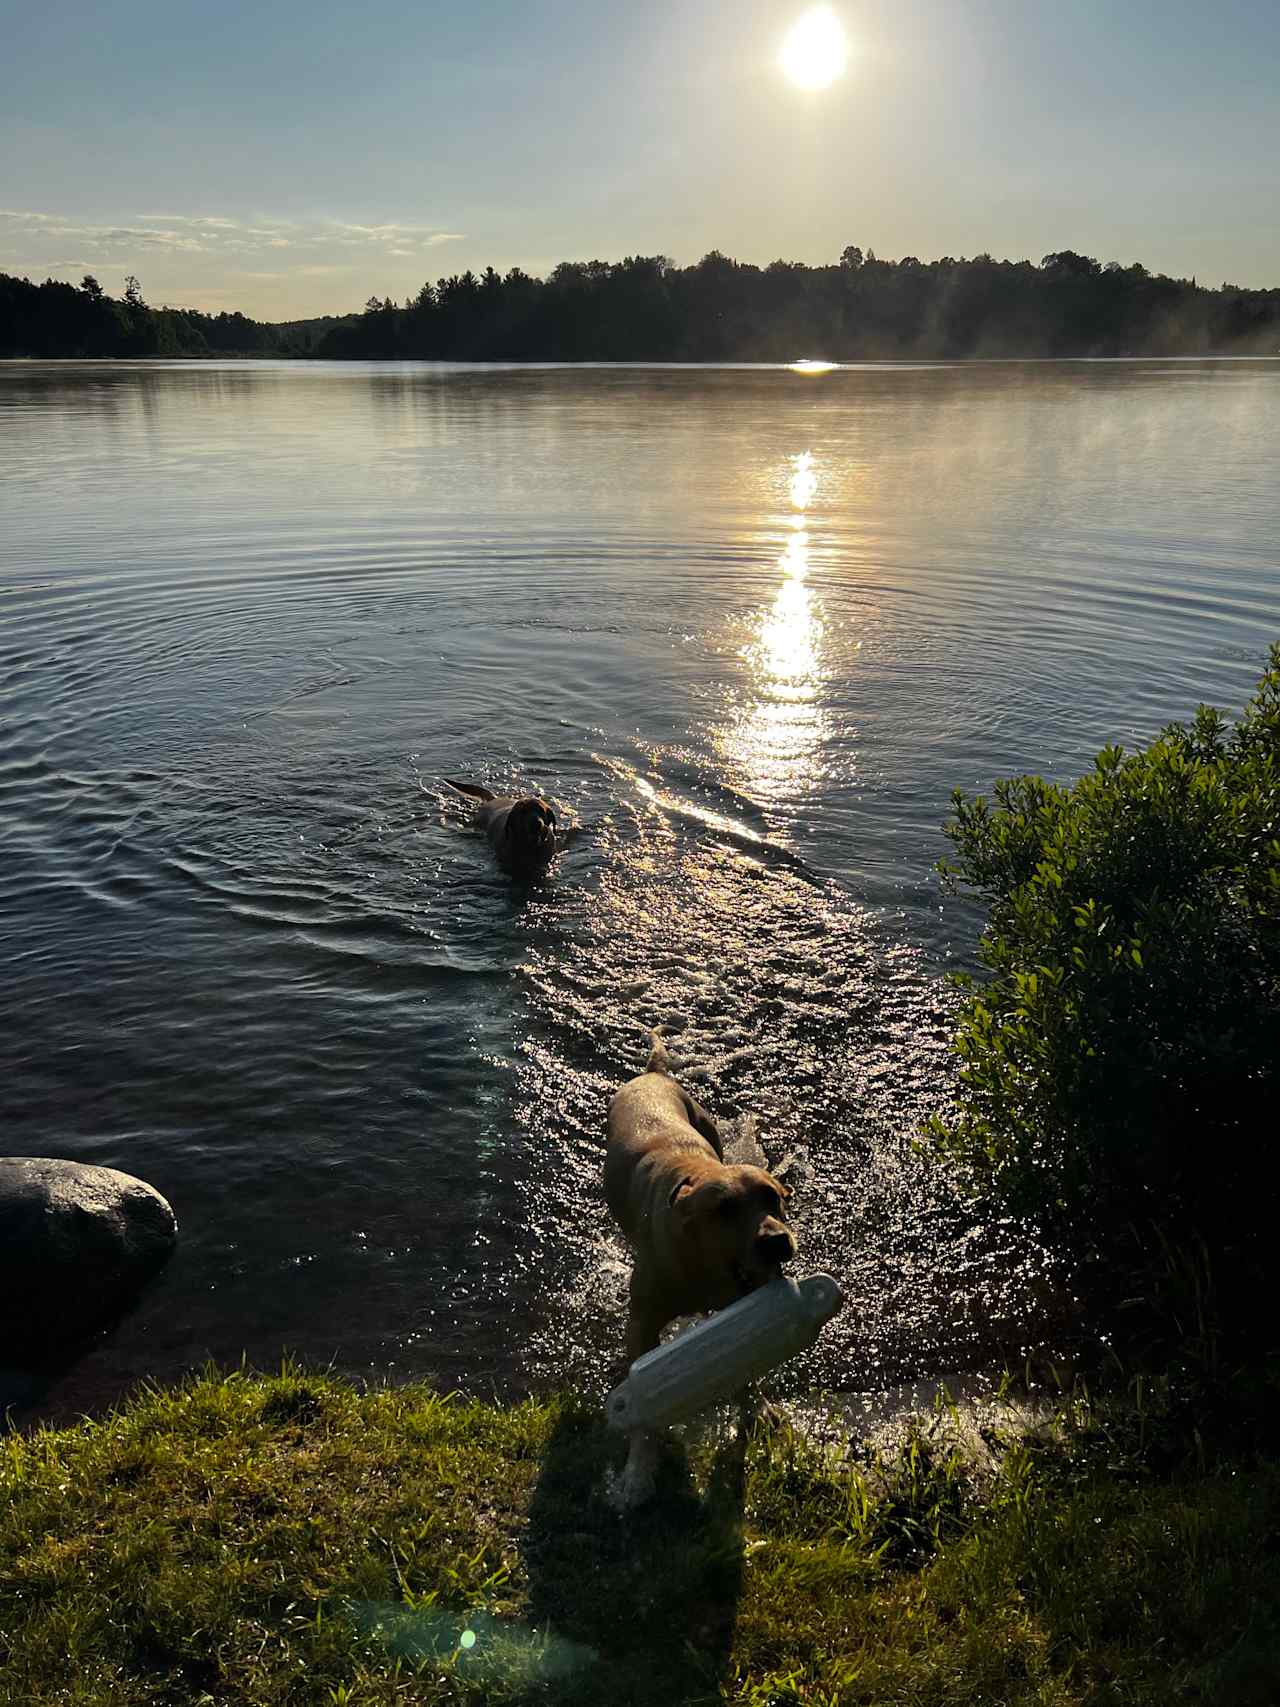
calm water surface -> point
(748, 627)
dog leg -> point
(638, 1482)
(645, 1318)
(639, 1479)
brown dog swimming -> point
(521, 828)
(704, 1231)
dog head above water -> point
(529, 834)
(732, 1232)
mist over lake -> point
(747, 627)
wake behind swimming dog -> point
(521, 828)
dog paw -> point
(758, 1415)
(638, 1481)
(769, 1418)
(627, 1490)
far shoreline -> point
(809, 367)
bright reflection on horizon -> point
(811, 364)
(816, 50)
(776, 739)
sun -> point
(816, 49)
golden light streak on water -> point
(774, 744)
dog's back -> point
(650, 1117)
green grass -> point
(290, 1540)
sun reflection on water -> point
(773, 744)
(803, 483)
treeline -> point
(56, 319)
(645, 308)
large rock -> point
(76, 1244)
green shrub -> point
(1118, 1068)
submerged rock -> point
(77, 1242)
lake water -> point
(748, 627)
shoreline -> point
(283, 1538)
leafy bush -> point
(1119, 1066)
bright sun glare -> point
(816, 49)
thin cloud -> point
(213, 222)
(211, 234)
(128, 236)
(24, 214)
(23, 263)
(348, 233)
(105, 239)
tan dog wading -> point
(704, 1231)
(521, 829)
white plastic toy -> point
(716, 1359)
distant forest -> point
(645, 308)
(55, 319)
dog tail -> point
(659, 1060)
(474, 789)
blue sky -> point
(289, 159)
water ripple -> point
(748, 629)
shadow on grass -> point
(653, 1594)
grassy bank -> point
(288, 1539)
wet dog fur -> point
(703, 1231)
(521, 828)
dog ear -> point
(679, 1192)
